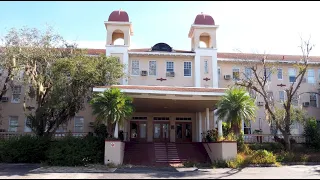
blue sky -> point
(273, 27)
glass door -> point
(138, 131)
(161, 131)
(184, 132)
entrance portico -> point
(169, 114)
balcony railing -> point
(263, 138)
(57, 135)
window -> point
(13, 124)
(295, 99)
(135, 67)
(281, 96)
(313, 99)
(219, 72)
(247, 128)
(236, 74)
(292, 75)
(206, 69)
(311, 76)
(267, 74)
(170, 66)
(16, 92)
(279, 74)
(152, 68)
(248, 73)
(62, 128)
(319, 74)
(270, 97)
(78, 124)
(187, 68)
(252, 93)
(26, 128)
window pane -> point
(78, 124)
(143, 130)
(152, 68)
(310, 74)
(187, 68)
(170, 67)
(248, 73)
(135, 67)
(281, 95)
(236, 74)
(206, 70)
(279, 73)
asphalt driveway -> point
(28, 171)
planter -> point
(221, 150)
(114, 152)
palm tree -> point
(111, 107)
(235, 106)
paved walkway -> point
(22, 171)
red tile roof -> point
(231, 56)
(204, 19)
(166, 88)
(119, 15)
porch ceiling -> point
(172, 105)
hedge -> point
(68, 151)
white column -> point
(197, 71)
(116, 131)
(207, 119)
(220, 133)
(215, 79)
(200, 126)
(215, 117)
(126, 68)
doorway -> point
(138, 131)
(183, 132)
(161, 132)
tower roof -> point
(204, 19)
(119, 15)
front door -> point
(138, 131)
(183, 132)
(161, 131)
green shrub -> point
(226, 127)
(262, 157)
(212, 135)
(190, 163)
(238, 162)
(220, 164)
(100, 130)
(312, 133)
(240, 142)
(273, 147)
(72, 151)
(23, 149)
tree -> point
(111, 107)
(257, 79)
(235, 106)
(57, 80)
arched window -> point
(118, 37)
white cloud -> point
(99, 44)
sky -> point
(273, 27)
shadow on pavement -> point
(17, 169)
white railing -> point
(263, 138)
(57, 135)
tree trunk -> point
(286, 138)
(236, 129)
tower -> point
(119, 31)
(203, 43)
